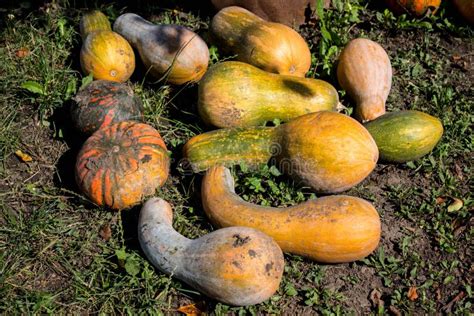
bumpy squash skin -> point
(273, 47)
(236, 265)
(168, 51)
(102, 103)
(235, 94)
(365, 72)
(466, 9)
(93, 21)
(330, 229)
(406, 135)
(120, 164)
(108, 56)
(414, 7)
(328, 151)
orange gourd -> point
(273, 47)
(107, 56)
(328, 151)
(365, 72)
(414, 7)
(330, 229)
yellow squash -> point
(274, 47)
(107, 56)
(236, 94)
(331, 229)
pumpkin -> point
(93, 21)
(170, 51)
(235, 265)
(270, 46)
(414, 7)
(364, 71)
(466, 9)
(327, 151)
(267, 96)
(102, 103)
(406, 135)
(331, 229)
(122, 163)
(291, 13)
(107, 56)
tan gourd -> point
(364, 71)
(168, 51)
(236, 265)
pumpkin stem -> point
(340, 107)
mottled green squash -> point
(236, 94)
(406, 135)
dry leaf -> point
(395, 311)
(24, 157)
(190, 310)
(412, 294)
(458, 170)
(22, 52)
(456, 205)
(105, 232)
(440, 200)
(375, 298)
(456, 57)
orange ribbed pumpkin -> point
(122, 163)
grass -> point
(59, 253)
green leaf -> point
(132, 266)
(290, 290)
(320, 10)
(61, 23)
(70, 89)
(274, 171)
(121, 254)
(325, 33)
(86, 80)
(448, 279)
(33, 87)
